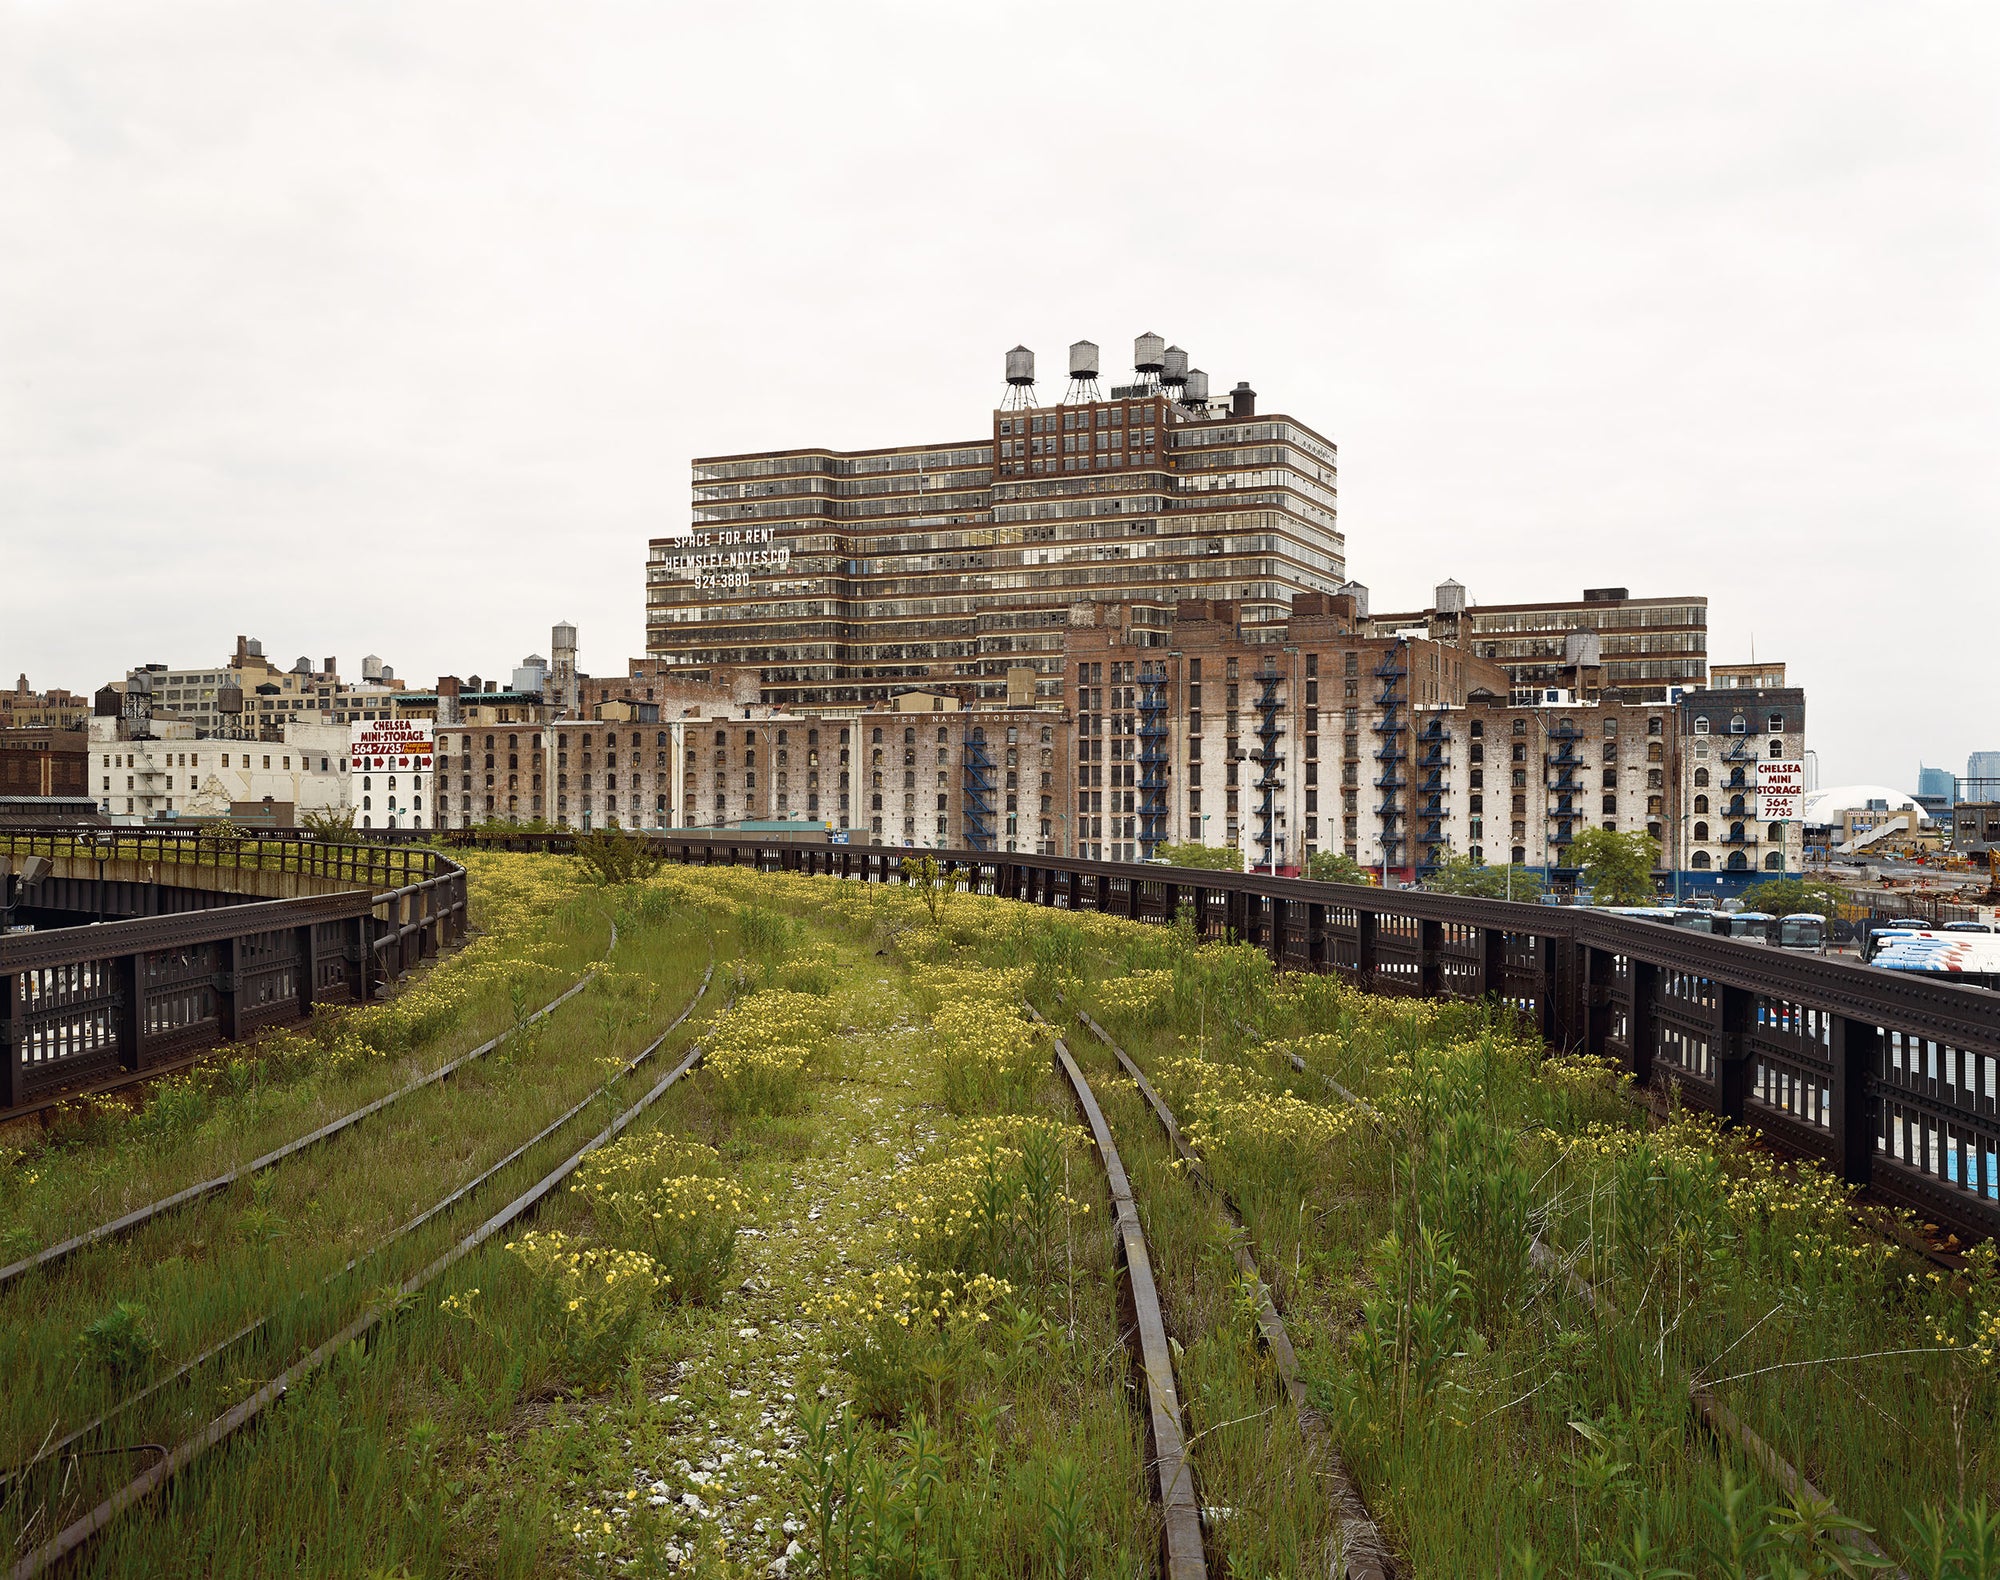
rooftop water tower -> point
(1082, 374)
(1149, 357)
(1020, 380)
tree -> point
(1461, 875)
(617, 858)
(1334, 866)
(1789, 896)
(332, 824)
(1216, 858)
(930, 880)
(1617, 867)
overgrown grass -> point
(898, 1352)
(86, 1335)
(1521, 1414)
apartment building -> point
(1651, 648)
(1747, 722)
(55, 709)
(842, 577)
(1397, 750)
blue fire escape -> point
(1567, 792)
(1433, 762)
(1391, 757)
(978, 793)
(1270, 762)
(1152, 758)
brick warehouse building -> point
(842, 577)
(941, 776)
(1396, 750)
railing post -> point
(1276, 932)
(13, 1035)
(228, 1016)
(1430, 959)
(1549, 998)
(1367, 933)
(1316, 936)
(308, 952)
(358, 953)
(1735, 1014)
(1493, 962)
(1857, 1061)
(1642, 1028)
(1599, 969)
(129, 1012)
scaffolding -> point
(1152, 758)
(978, 793)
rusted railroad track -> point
(1173, 1477)
(79, 1533)
(1363, 1553)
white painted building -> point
(170, 772)
(389, 778)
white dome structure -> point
(1825, 806)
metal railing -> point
(188, 967)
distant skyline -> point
(377, 328)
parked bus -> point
(1803, 932)
(1966, 959)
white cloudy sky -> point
(391, 327)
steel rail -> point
(138, 1217)
(73, 1537)
(1174, 1477)
(223, 1346)
(1364, 1555)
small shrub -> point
(989, 1059)
(121, 1341)
(761, 1049)
(589, 1301)
(663, 1195)
(611, 858)
(908, 1335)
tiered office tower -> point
(841, 578)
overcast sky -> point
(392, 328)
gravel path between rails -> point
(700, 1468)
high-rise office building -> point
(843, 577)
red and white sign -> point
(1781, 791)
(387, 745)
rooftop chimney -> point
(1243, 400)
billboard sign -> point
(389, 745)
(721, 557)
(1781, 791)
